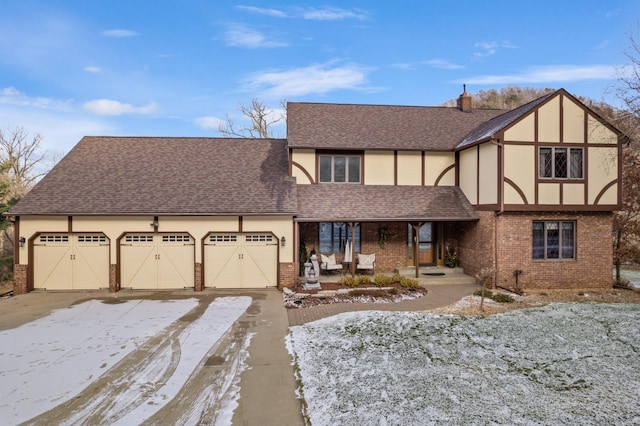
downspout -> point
(499, 213)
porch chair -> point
(328, 263)
(366, 262)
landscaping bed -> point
(362, 289)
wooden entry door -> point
(426, 240)
(425, 244)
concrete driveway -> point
(245, 377)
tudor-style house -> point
(529, 190)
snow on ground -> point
(560, 364)
(632, 275)
(48, 361)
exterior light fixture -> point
(21, 241)
(283, 241)
(155, 224)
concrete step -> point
(437, 275)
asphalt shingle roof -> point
(346, 203)
(346, 126)
(166, 175)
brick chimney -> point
(464, 101)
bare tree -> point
(626, 222)
(628, 89)
(22, 163)
(626, 226)
(22, 154)
(261, 121)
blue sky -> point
(176, 68)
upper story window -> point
(339, 168)
(560, 163)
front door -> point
(426, 239)
(425, 244)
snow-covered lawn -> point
(575, 363)
(50, 360)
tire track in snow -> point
(144, 381)
(214, 387)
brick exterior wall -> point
(198, 278)
(391, 255)
(20, 279)
(474, 242)
(113, 278)
(591, 267)
(287, 275)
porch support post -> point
(352, 227)
(416, 241)
(296, 251)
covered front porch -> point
(402, 226)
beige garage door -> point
(68, 262)
(241, 260)
(152, 261)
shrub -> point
(349, 281)
(364, 280)
(409, 283)
(502, 298)
(6, 268)
(396, 278)
(487, 293)
(382, 280)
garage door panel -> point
(176, 262)
(261, 268)
(91, 268)
(241, 260)
(69, 261)
(53, 267)
(157, 261)
(222, 267)
(138, 264)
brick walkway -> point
(437, 296)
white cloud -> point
(93, 69)
(209, 122)
(489, 48)
(443, 64)
(118, 33)
(303, 81)
(548, 74)
(242, 36)
(263, 11)
(12, 96)
(111, 107)
(332, 14)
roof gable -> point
(504, 121)
(143, 175)
(488, 129)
